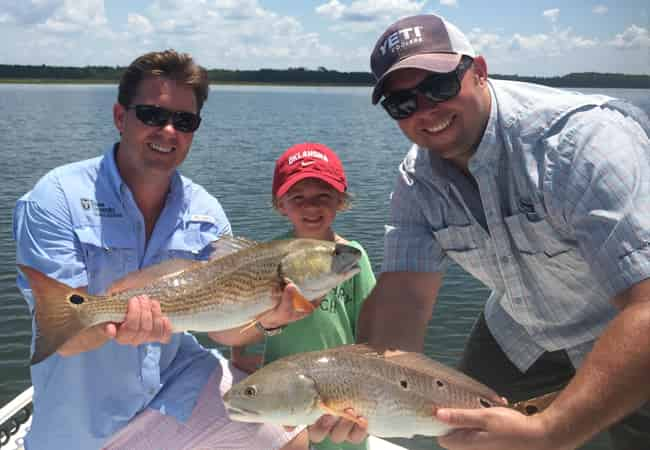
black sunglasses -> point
(437, 88)
(156, 116)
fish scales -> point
(232, 280)
(347, 379)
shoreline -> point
(79, 81)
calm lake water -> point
(244, 129)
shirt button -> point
(505, 259)
(152, 391)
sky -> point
(524, 37)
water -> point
(244, 130)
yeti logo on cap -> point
(401, 39)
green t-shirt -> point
(333, 323)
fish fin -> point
(248, 326)
(57, 314)
(227, 245)
(327, 410)
(536, 404)
(301, 304)
(146, 276)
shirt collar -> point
(485, 154)
(117, 182)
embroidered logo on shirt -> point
(202, 218)
(99, 208)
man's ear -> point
(119, 117)
(480, 70)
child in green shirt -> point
(309, 188)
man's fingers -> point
(463, 418)
(146, 317)
(157, 323)
(167, 330)
(128, 329)
(109, 329)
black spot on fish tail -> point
(531, 409)
(76, 299)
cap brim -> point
(291, 181)
(432, 62)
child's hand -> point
(247, 362)
(285, 311)
(339, 429)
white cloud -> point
(634, 37)
(532, 42)
(370, 10)
(600, 9)
(552, 14)
(333, 9)
(138, 24)
(482, 42)
(73, 16)
(452, 3)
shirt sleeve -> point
(409, 243)
(599, 182)
(45, 238)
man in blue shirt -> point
(132, 384)
(544, 196)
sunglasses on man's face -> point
(156, 116)
(437, 88)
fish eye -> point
(250, 391)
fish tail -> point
(57, 312)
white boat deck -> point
(14, 426)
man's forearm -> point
(613, 380)
(398, 310)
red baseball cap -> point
(308, 160)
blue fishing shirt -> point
(557, 224)
(81, 226)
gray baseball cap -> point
(426, 42)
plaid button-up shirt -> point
(557, 223)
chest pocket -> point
(109, 252)
(467, 246)
(533, 235)
(190, 241)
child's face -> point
(311, 206)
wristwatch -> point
(269, 331)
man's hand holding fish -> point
(143, 323)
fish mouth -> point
(346, 259)
(234, 411)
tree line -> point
(300, 75)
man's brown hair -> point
(170, 64)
